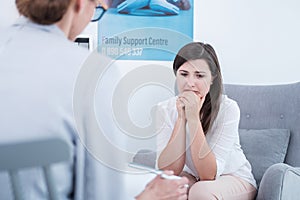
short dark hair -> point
(43, 11)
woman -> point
(199, 138)
(39, 63)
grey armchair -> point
(273, 107)
(270, 137)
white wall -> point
(8, 13)
(257, 41)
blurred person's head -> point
(71, 16)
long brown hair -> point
(211, 105)
(43, 11)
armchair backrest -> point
(270, 106)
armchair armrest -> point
(280, 181)
(146, 157)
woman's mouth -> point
(195, 91)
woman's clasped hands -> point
(189, 104)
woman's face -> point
(195, 76)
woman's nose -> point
(191, 81)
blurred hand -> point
(164, 189)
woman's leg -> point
(224, 187)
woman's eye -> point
(199, 75)
(184, 74)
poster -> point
(145, 29)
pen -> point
(157, 172)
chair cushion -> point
(264, 148)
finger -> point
(180, 104)
(185, 93)
(199, 95)
(179, 100)
(202, 99)
(183, 99)
(183, 181)
(168, 172)
(181, 191)
(175, 195)
(183, 197)
(188, 95)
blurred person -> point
(39, 65)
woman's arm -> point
(203, 158)
(223, 136)
(173, 155)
